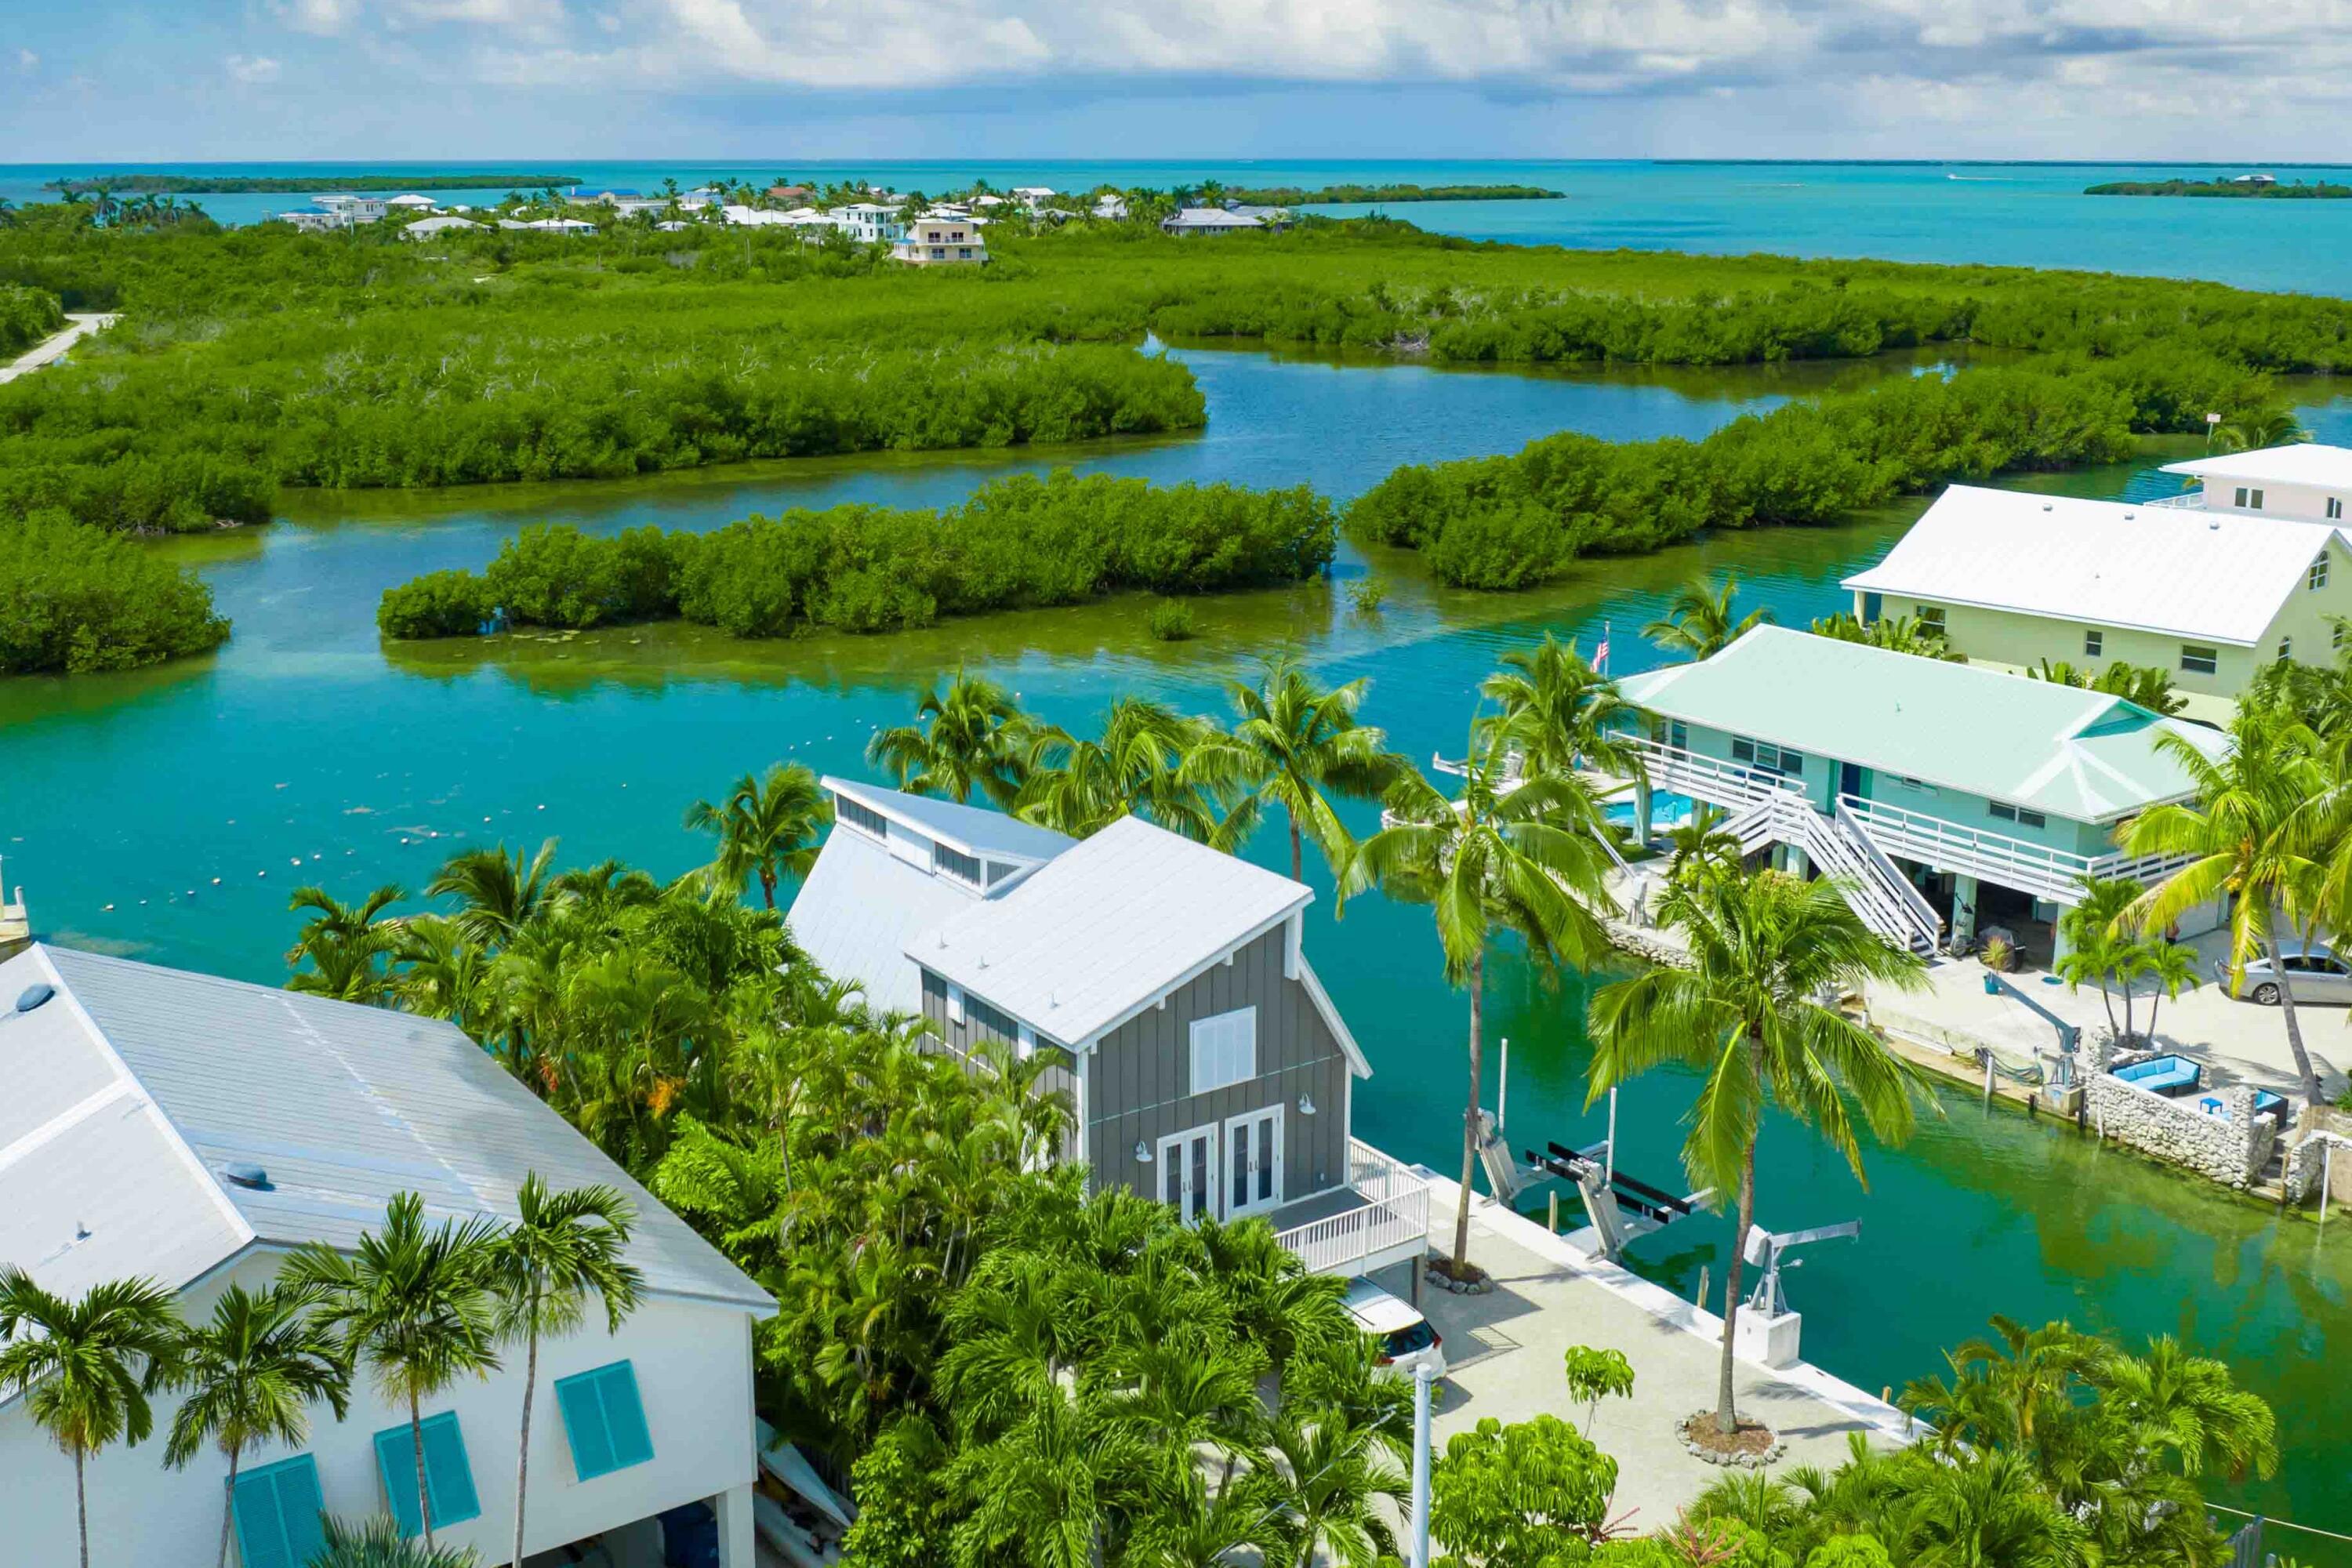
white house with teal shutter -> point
(1939, 793)
(193, 1130)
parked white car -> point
(2315, 974)
(1407, 1340)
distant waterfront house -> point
(425, 228)
(2209, 597)
(1271, 218)
(2307, 481)
(194, 1130)
(1938, 793)
(1207, 220)
(941, 242)
(870, 222)
(346, 210)
(791, 193)
(1032, 196)
(410, 204)
(1204, 1061)
(1111, 208)
(549, 224)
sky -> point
(232, 80)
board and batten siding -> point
(1139, 1079)
(1139, 1075)
(966, 1037)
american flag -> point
(1600, 653)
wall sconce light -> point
(1142, 1153)
(1305, 1105)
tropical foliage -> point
(1898, 634)
(1016, 542)
(2148, 685)
(75, 600)
(1699, 621)
(27, 316)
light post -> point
(1421, 1378)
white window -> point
(2094, 644)
(2013, 814)
(2318, 577)
(1225, 1049)
(2198, 659)
(1931, 618)
(1772, 759)
(2287, 648)
(2335, 509)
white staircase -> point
(1884, 898)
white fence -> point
(1394, 1213)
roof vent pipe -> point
(247, 1175)
(33, 996)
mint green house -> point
(1939, 794)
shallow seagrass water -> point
(308, 752)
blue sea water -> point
(2031, 215)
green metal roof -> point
(2049, 748)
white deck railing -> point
(2187, 500)
(1394, 1213)
(2036, 868)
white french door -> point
(1188, 1173)
(1253, 1169)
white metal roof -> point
(973, 829)
(135, 1088)
(2218, 576)
(1105, 930)
(2302, 463)
(1210, 217)
(861, 907)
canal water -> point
(191, 800)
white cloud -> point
(325, 19)
(251, 70)
(28, 61)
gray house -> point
(1206, 1064)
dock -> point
(16, 926)
(1504, 1348)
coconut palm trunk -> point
(1726, 1412)
(2265, 927)
(523, 1448)
(1297, 850)
(416, 1446)
(82, 1505)
(228, 1504)
(1470, 1121)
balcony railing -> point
(1394, 1213)
(2187, 500)
(2037, 869)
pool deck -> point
(1504, 1360)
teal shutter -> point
(449, 1478)
(604, 1420)
(277, 1510)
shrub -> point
(1367, 593)
(1171, 620)
(437, 604)
(75, 599)
(27, 316)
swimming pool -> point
(1666, 810)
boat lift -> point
(1768, 1330)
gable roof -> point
(2216, 576)
(134, 1089)
(2056, 749)
(1105, 930)
(2301, 463)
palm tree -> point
(252, 1372)
(1763, 948)
(501, 893)
(1698, 622)
(2246, 835)
(414, 1302)
(2095, 949)
(1897, 633)
(2147, 685)
(2261, 427)
(1562, 713)
(767, 828)
(378, 1544)
(561, 1246)
(968, 737)
(1291, 742)
(1080, 788)
(1501, 859)
(346, 945)
(85, 1367)
(2170, 967)
(1700, 847)
(441, 973)
(1335, 1469)
(1987, 1511)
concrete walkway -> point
(1503, 1352)
(50, 350)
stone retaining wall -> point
(2230, 1149)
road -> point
(51, 350)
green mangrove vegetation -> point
(1024, 542)
(1517, 521)
(2298, 189)
(75, 599)
(27, 316)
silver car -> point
(2315, 974)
